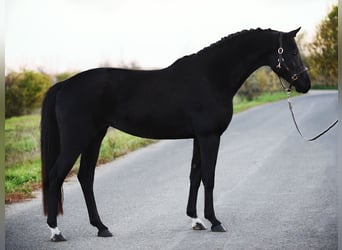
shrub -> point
(24, 92)
(262, 80)
(250, 89)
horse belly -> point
(153, 124)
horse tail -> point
(49, 143)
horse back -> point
(160, 104)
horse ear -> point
(293, 33)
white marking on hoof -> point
(54, 231)
(198, 224)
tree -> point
(323, 51)
(24, 92)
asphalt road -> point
(273, 190)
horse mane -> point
(222, 41)
(230, 38)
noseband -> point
(282, 64)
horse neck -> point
(229, 65)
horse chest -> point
(211, 119)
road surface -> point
(273, 190)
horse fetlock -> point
(100, 226)
(191, 213)
(213, 220)
(56, 235)
(52, 223)
(211, 217)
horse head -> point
(289, 64)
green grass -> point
(241, 105)
(324, 87)
(22, 148)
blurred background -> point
(74, 35)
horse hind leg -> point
(86, 178)
(195, 181)
(72, 143)
(58, 173)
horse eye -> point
(295, 52)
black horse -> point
(192, 98)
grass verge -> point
(241, 105)
(22, 149)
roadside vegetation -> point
(25, 90)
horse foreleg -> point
(195, 181)
(209, 146)
(86, 177)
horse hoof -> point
(218, 228)
(197, 224)
(104, 233)
(57, 238)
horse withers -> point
(192, 98)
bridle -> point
(294, 77)
(282, 64)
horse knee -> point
(208, 186)
(208, 181)
(195, 184)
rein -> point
(288, 90)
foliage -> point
(64, 75)
(324, 51)
(24, 91)
(265, 97)
(262, 80)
